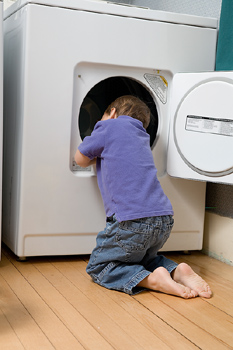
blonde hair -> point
(131, 106)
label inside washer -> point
(209, 125)
(158, 84)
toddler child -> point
(139, 216)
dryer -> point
(201, 132)
(65, 61)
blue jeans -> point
(126, 252)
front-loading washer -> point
(65, 60)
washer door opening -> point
(105, 92)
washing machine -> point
(65, 61)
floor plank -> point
(217, 274)
(153, 322)
(51, 303)
(144, 338)
(55, 332)
(9, 310)
(182, 324)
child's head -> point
(131, 106)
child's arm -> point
(82, 160)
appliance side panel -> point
(1, 109)
(14, 60)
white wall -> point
(218, 237)
(207, 8)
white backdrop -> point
(206, 8)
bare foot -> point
(185, 275)
(160, 280)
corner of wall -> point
(218, 237)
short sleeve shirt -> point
(126, 173)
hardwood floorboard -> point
(180, 323)
(217, 274)
(9, 310)
(55, 332)
(51, 303)
(122, 319)
(153, 322)
(159, 327)
(207, 263)
(202, 314)
(100, 322)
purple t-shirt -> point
(126, 173)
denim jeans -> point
(126, 252)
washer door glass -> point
(104, 93)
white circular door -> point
(203, 128)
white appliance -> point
(65, 61)
(1, 109)
(201, 132)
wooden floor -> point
(51, 303)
